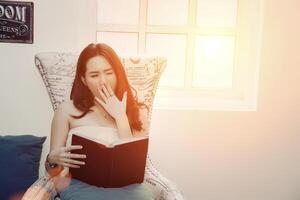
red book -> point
(111, 165)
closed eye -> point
(108, 73)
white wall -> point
(58, 26)
(210, 155)
(242, 155)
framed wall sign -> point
(16, 21)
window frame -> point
(243, 95)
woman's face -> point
(99, 72)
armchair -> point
(58, 71)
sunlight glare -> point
(214, 61)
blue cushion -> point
(19, 164)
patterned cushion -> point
(58, 73)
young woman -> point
(102, 102)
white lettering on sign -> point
(16, 13)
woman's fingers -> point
(70, 165)
(73, 155)
(105, 90)
(63, 156)
(110, 90)
(103, 95)
(100, 101)
(72, 161)
(72, 147)
(66, 156)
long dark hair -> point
(83, 98)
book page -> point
(96, 138)
(110, 144)
(127, 140)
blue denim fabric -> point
(78, 190)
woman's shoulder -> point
(68, 108)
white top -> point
(108, 134)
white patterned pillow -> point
(58, 73)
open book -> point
(109, 165)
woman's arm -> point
(59, 127)
(59, 153)
(123, 127)
(59, 130)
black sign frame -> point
(16, 22)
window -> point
(212, 47)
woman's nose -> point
(102, 80)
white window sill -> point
(191, 100)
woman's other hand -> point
(64, 157)
(115, 107)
